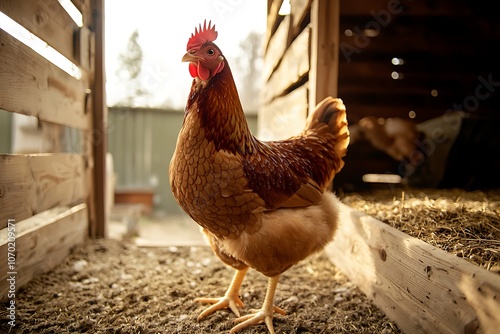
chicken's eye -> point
(210, 52)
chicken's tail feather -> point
(332, 112)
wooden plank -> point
(284, 117)
(293, 67)
(273, 19)
(422, 288)
(31, 85)
(47, 20)
(324, 51)
(30, 184)
(41, 243)
(100, 122)
(300, 9)
(276, 48)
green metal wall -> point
(142, 142)
(5, 131)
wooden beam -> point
(32, 85)
(324, 51)
(40, 243)
(47, 20)
(34, 183)
(422, 288)
(294, 66)
(100, 117)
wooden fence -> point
(51, 201)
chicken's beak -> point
(191, 58)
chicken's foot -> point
(265, 313)
(230, 299)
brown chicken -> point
(260, 204)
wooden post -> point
(99, 134)
(323, 76)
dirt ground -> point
(109, 286)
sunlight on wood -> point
(39, 46)
(285, 8)
(72, 11)
(382, 178)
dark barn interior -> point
(415, 60)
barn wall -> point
(346, 49)
(446, 46)
(448, 51)
(300, 64)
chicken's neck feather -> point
(217, 104)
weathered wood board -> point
(47, 20)
(40, 243)
(32, 85)
(30, 184)
(422, 288)
(294, 65)
(323, 76)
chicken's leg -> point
(230, 299)
(266, 312)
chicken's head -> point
(204, 57)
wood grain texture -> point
(30, 184)
(31, 85)
(42, 242)
(47, 20)
(100, 125)
(293, 67)
(323, 76)
(422, 288)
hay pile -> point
(466, 224)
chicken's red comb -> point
(202, 35)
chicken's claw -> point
(230, 299)
(256, 317)
(231, 302)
